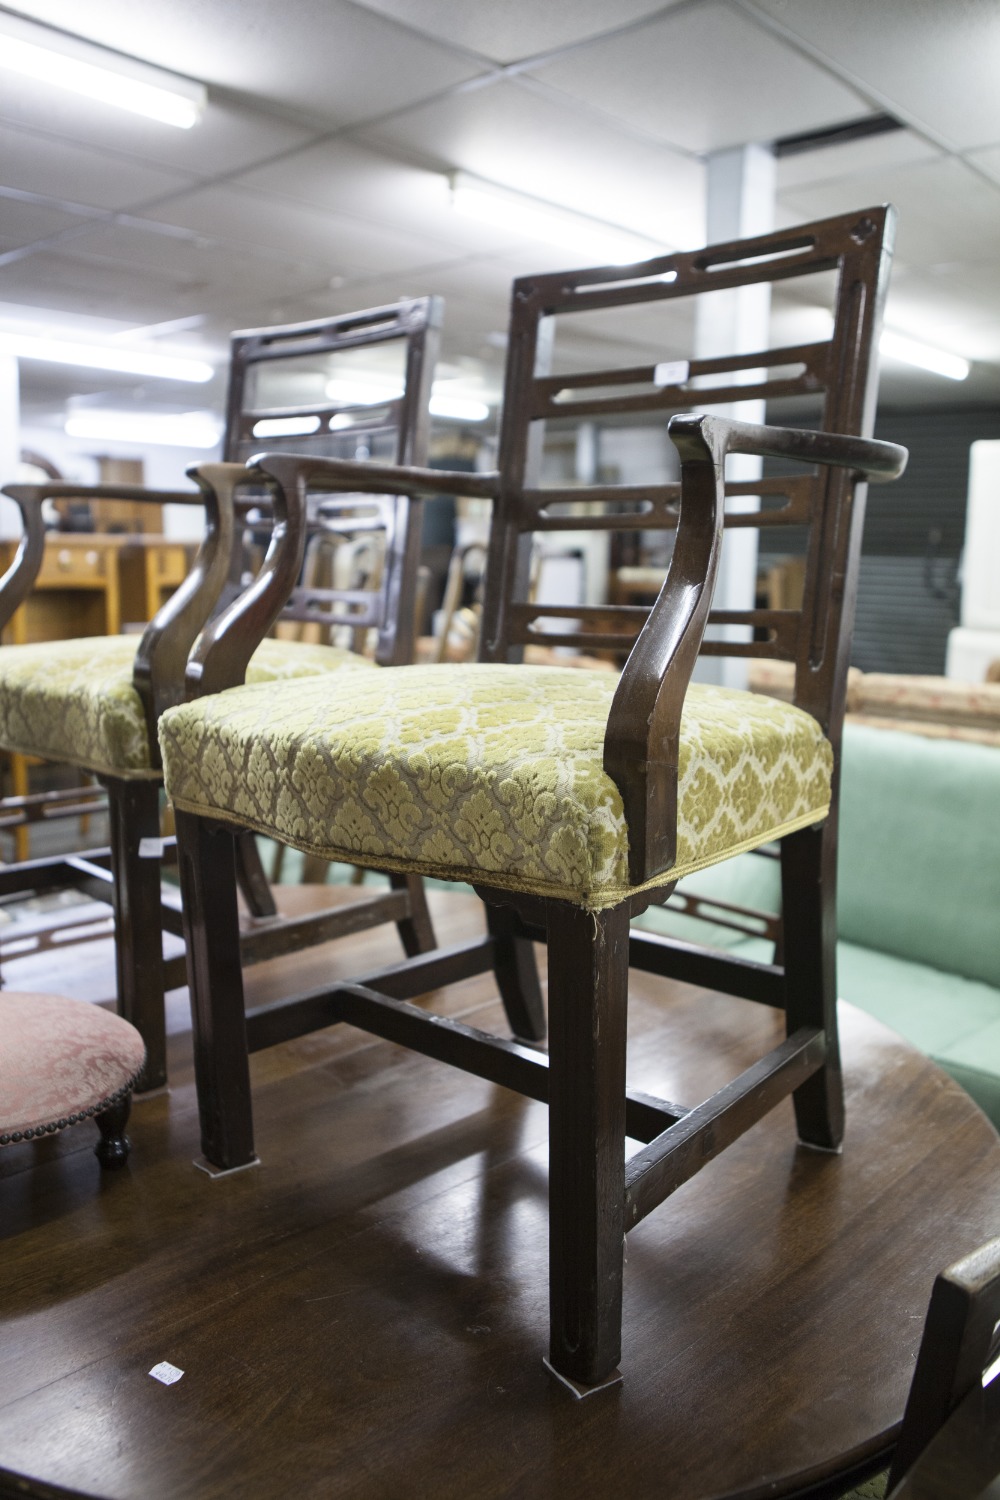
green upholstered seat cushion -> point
(73, 701)
(920, 850)
(488, 773)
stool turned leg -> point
(588, 1004)
(113, 1147)
(809, 897)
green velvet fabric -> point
(920, 850)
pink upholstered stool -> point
(63, 1061)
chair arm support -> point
(18, 581)
(642, 741)
(223, 651)
(361, 477)
(161, 659)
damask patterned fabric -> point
(486, 773)
(60, 1061)
(73, 701)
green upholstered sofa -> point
(919, 897)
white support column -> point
(740, 192)
(10, 441)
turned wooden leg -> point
(416, 932)
(588, 1004)
(250, 874)
(207, 862)
(113, 1147)
(134, 815)
(809, 906)
(516, 974)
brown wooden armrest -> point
(353, 476)
(641, 744)
(161, 660)
(876, 460)
(223, 651)
(19, 579)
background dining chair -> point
(572, 800)
(95, 702)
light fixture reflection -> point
(189, 429)
(68, 62)
(371, 391)
(923, 356)
(105, 357)
(518, 214)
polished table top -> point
(365, 1314)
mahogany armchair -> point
(572, 800)
(95, 702)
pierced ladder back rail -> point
(331, 406)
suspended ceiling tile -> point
(22, 224)
(987, 161)
(73, 284)
(326, 61)
(335, 244)
(703, 79)
(942, 205)
(873, 153)
(343, 177)
(933, 62)
(79, 174)
(518, 28)
(527, 141)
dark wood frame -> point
(594, 1196)
(122, 874)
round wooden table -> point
(365, 1313)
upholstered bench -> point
(919, 897)
(63, 1061)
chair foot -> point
(114, 1145)
(578, 1391)
(211, 1170)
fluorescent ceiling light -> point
(189, 429)
(68, 62)
(105, 357)
(534, 219)
(910, 352)
(372, 391)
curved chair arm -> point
(161, 659)
(641, 744)
(365, 478)
(18, 581)
(223, 651)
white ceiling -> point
(316, 180)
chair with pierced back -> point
(573, 800)
(95, 702)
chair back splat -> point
(355, 387)
(570, 800)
